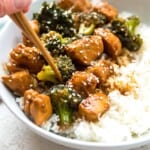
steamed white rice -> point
(128, 116)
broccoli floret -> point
(83, 30)
(54, 42)
(88, 18)
(131, 23)
(65, 66)
(47, 74)
(125, 30)
(86, 22)
(54, 18)
(65, 102)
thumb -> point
(22, 4)
(13, 6)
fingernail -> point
(21, 4)
(18, 3)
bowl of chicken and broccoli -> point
(102, 52)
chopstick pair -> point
(22, 22)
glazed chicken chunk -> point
(12, 67)
(19, 82)
(27, 57)
(84, 83)
(75, 5)
(108, 10)
(37, 106)
(102, 69)
(85, 50)
(94, 106)
(112, 44)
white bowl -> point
(10, 35)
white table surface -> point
(14, 135)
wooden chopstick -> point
(22, 22)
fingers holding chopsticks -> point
(8, 7)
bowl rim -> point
(64, 140)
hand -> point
(8, 7)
